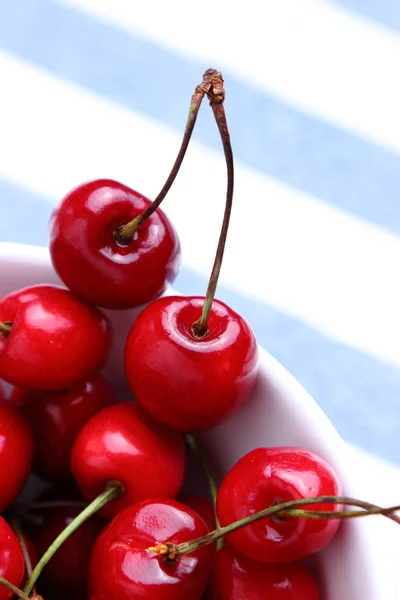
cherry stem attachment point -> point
(111, 491)
(13, 588)
(125, 232)
(5, 328)
(216, 96)
(172, 551)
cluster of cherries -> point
(190, 363)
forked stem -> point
(216, 96)
(125, 232)
(172, 551)
(111, 491)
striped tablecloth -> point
(99, 88)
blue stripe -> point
(23, 215)
(268, 135)
(386, 12)
(361, 395)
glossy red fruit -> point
(202, 506)
(264, 477)
(16, 454)
(67, 571)
(186, 382)
(121, 568)
(122, 443)
(56, 418)
(236, 577)
(95, 266)
(12, 566)
(55, 339)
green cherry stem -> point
(212, 486)
(111, 491)
(5, 329)
(343, 514)
(192, 444)
(13, 588)
(172, 551)
(216, 95)
(125, 232)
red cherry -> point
(12, 566)
(67, 570)
(190, 383)
(55, 339)
(121, 568)
(236, 577)
(122, 443)
(16, 454)
(56, 418)
(202, 506)
(98, 268)
(266, 476)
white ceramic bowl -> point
(354, 566)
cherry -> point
(268, 476)
(186, 382)
(67, 570)
(49, 339)
(122, 567)
(16, 454)
(236, 577)
(202, 506)
(122, 443)
(94, 263)
(12, 566)
(56, 418)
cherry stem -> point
(5, 328)
(27, 560)
(13, 588)
(216, 96)
(125, 232)
(212, 486)
(111, 491)
(172, 551)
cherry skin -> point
(100, 269)
(55, 339)
(236, 577)
(56, 418)
(186, 382)
(122, 443)
(264, 477)
(121, 568)
(202, 506)
(67, 570)
(16, 454)
(12, 566)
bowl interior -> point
(280, 412)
